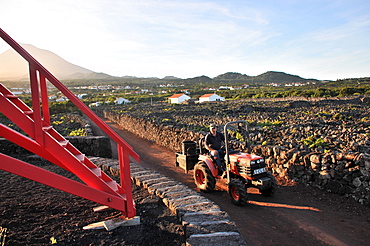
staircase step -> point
(10, 96)
(64, 143)
(80, 157)
(113, 185)
(47, 128)
(28, 112)
(97, 171)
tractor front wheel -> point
(203, 177)
(238, 192)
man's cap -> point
(212, 126)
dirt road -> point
(296, 215)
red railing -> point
(41, 118)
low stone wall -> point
(164, 135)
(90, 145)
(203, 221)
(346, 174)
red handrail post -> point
(44, 99)
(125, 178)
(36, 105)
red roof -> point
(208, 95)
(176, 96)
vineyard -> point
(323, 143)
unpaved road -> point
(296, 215)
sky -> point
(326, 40)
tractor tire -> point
(238, 192)
(270, 191)
(203, 177)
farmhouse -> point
(211, 98)
(95, 104)
(178, 98)
(121, 100)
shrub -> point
(312, 142)
(78, 132)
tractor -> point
(243, 170)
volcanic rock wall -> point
(89, 145)
(344, 169)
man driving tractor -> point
(214, 143)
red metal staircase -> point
(43, 140)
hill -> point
(14, 67)
(280, 77)
(265, 78)
(232, 76)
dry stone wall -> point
(64, 123)
(89, 145)
(340, 163)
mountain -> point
(170, 77)
(200, 80)
(14, 67)
(88, 76)
(265, 78)
(279, 77)
(232, 76)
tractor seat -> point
(202, 149)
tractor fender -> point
(210, 164)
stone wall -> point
(203, 221)
(345, 174)
(89, 145)
(342, 173)
(165, 135)
(92, 145)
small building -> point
(62, 99)
(95, 104)
(178, 98)
(80, 96)
(121, 100)
(211, 98)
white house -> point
(210, 98)
(62, 99)
(80, 96)
(178, 98)
(121, 100)
(95, 104)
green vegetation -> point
(312, 142)
(321, 90)
(78, 132)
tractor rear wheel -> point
(203, 177)
(238, 192)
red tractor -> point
(243, 170)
